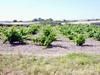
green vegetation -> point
(46, 34)
(14, 34)
(33, 29)
(71, 64)
(97, 35)
(79, 33)
(80, 40)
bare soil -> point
(60, 47)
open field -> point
(26, 23)
(17, 23)
(86, 22)
(50, 50)
(71, 64)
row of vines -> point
(46, 34)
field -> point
(47, 40)
(71, 49)
(71, 64)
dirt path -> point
(60, 47)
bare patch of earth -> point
(60, 47)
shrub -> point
(65, 30)
(46, 37)
(15, 21)
(97, 35)
(14, 35)
(33, 29)
(92, 33)
(72, 35)
(79, 30)
(23, 31)
(80, 40)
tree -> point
(40, 19)
(49, 20)
(34, 20)
(15, 21)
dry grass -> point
(71, 64)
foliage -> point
(14, 35)
(92, 33)
(73, 31)
(46, 37)
(80, 39)
(15, 21)
(23, 30)
(97, 35)
(33, 29)
(47, 32)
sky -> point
(56, 9)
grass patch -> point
(71, 64)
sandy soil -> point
(60, 47)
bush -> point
(65, 30)
(14, 35)
(33, 29)
(23, 31)
(80, 40)
(46, 37)
(92, 34)
(97, 35)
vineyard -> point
(40, 38)
(41, 50)
(46, 34)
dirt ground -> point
(60, 47)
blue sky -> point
(56, 9)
